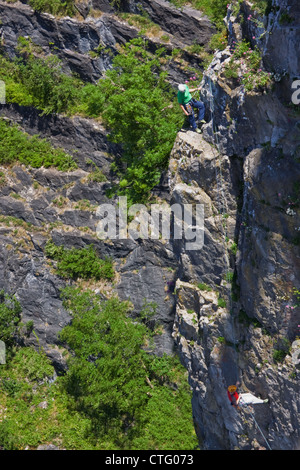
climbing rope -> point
(223, 204)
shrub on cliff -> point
(135, 101)
(56, 7)
(10, 311)
(32, 79)
(114, 395)
(52, 90)
(137, 105)
(244, 65)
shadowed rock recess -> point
(226, 308)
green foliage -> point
(285, 19)
(232, 70)
(96, 174)
(148, 311)
(51, 89)
(296, 293)
(55, 7)
(222, 303)
(264, 7)
(106, 376)
(114, 395)
(234, 248)
(244, 64)
(279, 355)
(15, 91)
(32, 365)
(32, 151)
(2, 178)
(38, 81)
(141, 21)
(26, 382)
(215, 9)
(252, 56)
(219, 41)
(136, 104)
(22, 422)
(281, 350)
(167, 423)
(92, 99)
(10, 311)
(247, 321)
(82, 263)
(203, 286)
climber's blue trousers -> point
(201, 111)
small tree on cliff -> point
(135, 101)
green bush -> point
(281, 350)
(279, 355)
(222, 303)
(247, 321)
(31, 151)
(135, 101)
(264, 7)
(82, 263)
(296, 294)
(114, 395)
(32, 365)
(21, 390)
(138, 107)
(218, 41)
(37, 81)
(215, 9)
(92, 100)
(127, 393)
(15, 90)
(55, 7)
(245, 64)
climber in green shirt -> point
(187, 103)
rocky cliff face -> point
(248, 181)
(224, 307)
